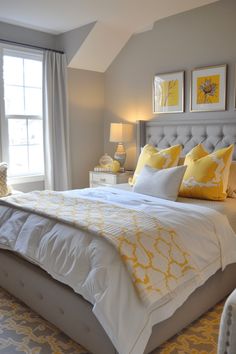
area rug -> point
(23, 331)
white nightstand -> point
(97, 179)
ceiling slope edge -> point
(71, 41)
(100, 47)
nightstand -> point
(98, 179)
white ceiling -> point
(57, 16)
(123, 17)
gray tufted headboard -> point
(164, 132)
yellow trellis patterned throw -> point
(153, 254)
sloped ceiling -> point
(113, 22)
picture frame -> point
(235, 87)
(208, 88)
(168, 92)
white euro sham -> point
(162, 184)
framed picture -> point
(168, 92)
(208, 89)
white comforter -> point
(93, 268)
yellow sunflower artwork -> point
(208, 89)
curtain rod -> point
(29, 46)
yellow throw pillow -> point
(3, 180)
(157, 158)
(206, 177)
(195, 154)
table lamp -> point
(120, 133)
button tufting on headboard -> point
(162, 133)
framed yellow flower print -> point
(208, 89)
(168, 92)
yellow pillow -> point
(206, 177)
(157, 158)
(195, 154)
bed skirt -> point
(67, 310)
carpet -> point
(23, 331)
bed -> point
(37, 289)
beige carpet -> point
(23, 331)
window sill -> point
(25, 179)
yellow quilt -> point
(153, 253)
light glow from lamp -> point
(121, 133)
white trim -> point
(4, 122)
(26, 179)
(23, 116)
(21, 52)
(4, 148)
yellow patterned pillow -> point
(157, 158)
(207, 177)
(3, 180)
(195, 154)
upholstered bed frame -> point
(163, 133)
(69, 311)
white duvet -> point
(93, 268)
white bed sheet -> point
(226, 207)
(89, 265)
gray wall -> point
(86, 107)
(28, 36)
(200, 37)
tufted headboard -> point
(164, 132)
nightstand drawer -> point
(104, 178)
(97, 179)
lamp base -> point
(120, 154)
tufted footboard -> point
(227, 335)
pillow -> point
(157, 158)
(207, 177)
(163, 183)
(198, 152)
(3, 180)
(231, 191)
(195, 154)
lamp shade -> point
(121, 132)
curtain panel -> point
(56, 123)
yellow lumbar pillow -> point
(207, 175)
(157, 158)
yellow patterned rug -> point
(23, 331)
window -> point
(22, 119)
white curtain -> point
(56, 125)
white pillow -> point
(163, 183)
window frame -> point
(10, 50)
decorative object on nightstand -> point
(98, 179)
(121, 133)
(107, 164)
(105, 161)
